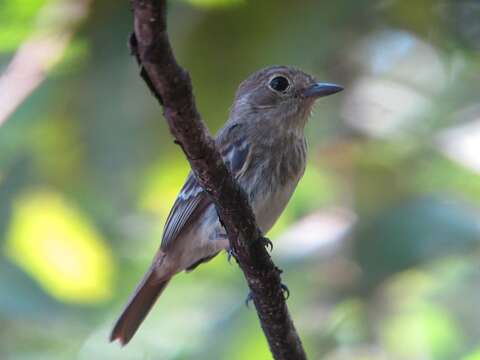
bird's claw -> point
(248, 299)
(285, 291)
(266, 242)
(231, 254)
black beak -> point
(321, 89)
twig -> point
(171, 85)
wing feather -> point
(188, 206)
(193, 200)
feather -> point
(189, 205)
(192, 199)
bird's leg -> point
(248, 299)
(267, 243)
(285, 291)
(230, 254)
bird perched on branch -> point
(263, 145)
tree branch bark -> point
(171, 85)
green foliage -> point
(18, 20)
(88, 174)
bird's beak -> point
(318, 90)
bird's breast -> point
(270, 186)
(269, 206)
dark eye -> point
(279, 83)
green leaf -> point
(17, 19)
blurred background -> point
(379, 245)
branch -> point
(171, 85)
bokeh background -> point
(379, 245)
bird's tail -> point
(138, 306)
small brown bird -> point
(264, 146)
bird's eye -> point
(279, 83)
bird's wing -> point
(193, 200)
(188, 206)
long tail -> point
(138, 306)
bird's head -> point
(279, 96)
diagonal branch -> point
(171, 85)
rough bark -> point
(171, 85)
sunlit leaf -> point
(17, 19)
(162, 185)
(425, 331)
(251, 346)
(473, 356)
(58, 247)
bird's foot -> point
(267, 243)
(249, 299)
(231, 254)
(285, 291)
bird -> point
(263, 145)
